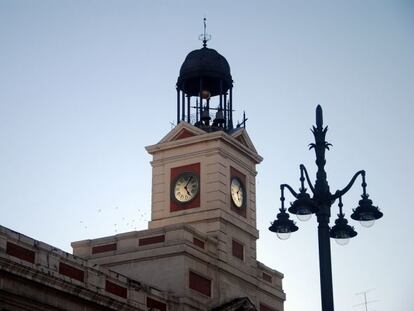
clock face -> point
(185, 187)
(237, 192)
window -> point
(238, 250)
(267, 277)
(198, 242)
(200, 284)
(155, 304)
(264, 307)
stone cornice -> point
(45, 269)
(219, 135)
(88, 292)
(213, 214)
(179, 244)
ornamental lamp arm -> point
(303, 169)
(340, 193)
(293, 192)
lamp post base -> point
(325, 265)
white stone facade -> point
(173, 253)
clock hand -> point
(189, 179)
(185, 187)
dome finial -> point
(204, 36)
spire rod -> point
(205, 37)
(319, 118)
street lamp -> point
(320, 204)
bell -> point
(205, 115)
(220, 116)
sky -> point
(85, 85)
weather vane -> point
(205, 36)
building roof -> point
(206, 64)
(238, 304)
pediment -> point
(238, 304)
(242, 137)
(181, 131)
(185, 133)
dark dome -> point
(208, 65)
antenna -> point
(243, 123)
(205, 37)
(365, 303)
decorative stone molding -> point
(40, 271)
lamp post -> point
(320, 204)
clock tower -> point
(200, 246)
(204, 170)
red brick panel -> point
(20, 252)
(267, 277)
(239, 210)
(200, 284)
(198, 242)
(175, 206)
(242, 140)
(238, 250)
(71, 272)
(116, 289)
(152, 303)
(152, 240)
(104, 248)
(264, 307)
